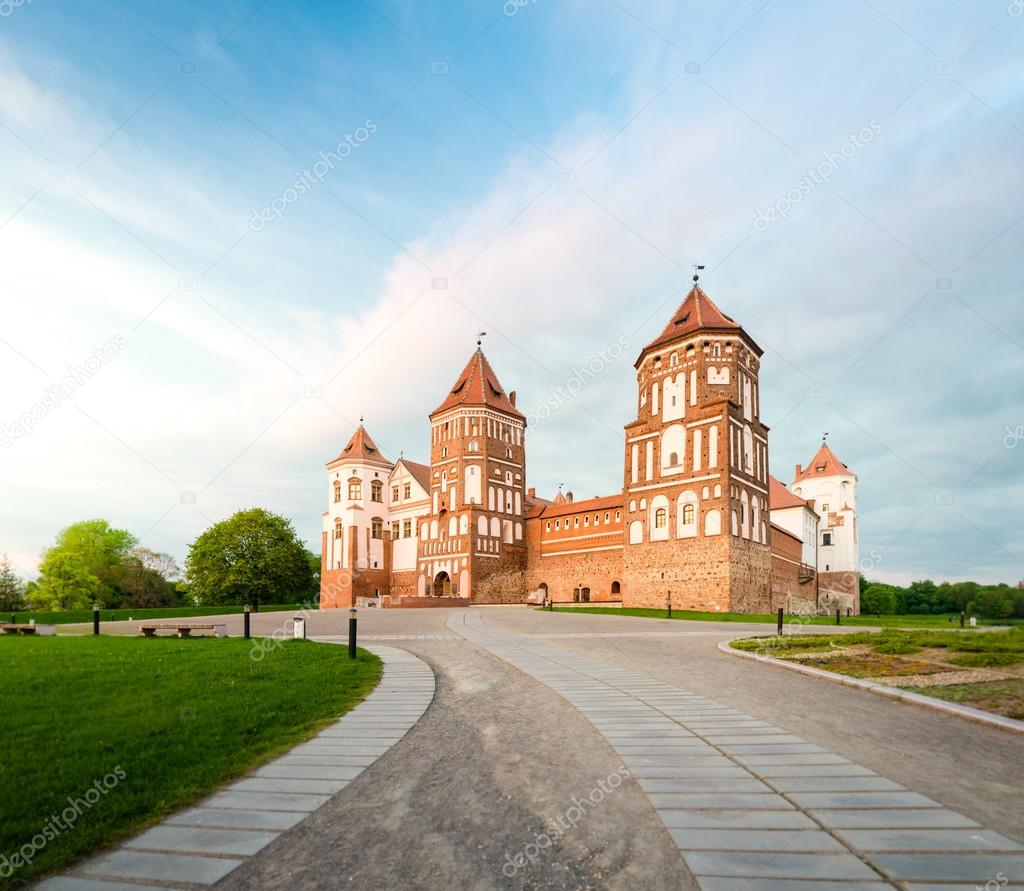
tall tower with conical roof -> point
(356, 543)
(696, 468)
(472, 544)
(832, 487)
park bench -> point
(8, 628)
(184, 630)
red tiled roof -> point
(361, 445)
(824, 463)
(696, 312)
(779, 497)
(605, 502)
(478, 385)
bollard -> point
(299, 628)
(838, 614)
(352, 633)
(668, 605)
(781, 614)
(96, 619)
(963, 617)
(245, 622)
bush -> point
(878, 600)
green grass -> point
(949, 620)
(1004, 697)
(992, 645)
(174, 718)
(66, 617)
(987, 660)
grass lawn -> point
(982, 659)
(156, 722)
(905, 621)
(66, 617)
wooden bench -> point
(8, 628)
(183, 630)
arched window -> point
(473, 447)
(636, 532)
(686, 515)
(337, 528)
(444, 452)
(377, 491)
(337, 491)
(661, 517)
(355, 489)
(713, 522)
(616, 588)
(689, 514)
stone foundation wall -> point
(694, 572)
(839, 589)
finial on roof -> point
(360, 420)
(480, 339)
(824, 438)
(697, 267)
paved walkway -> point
(751, 806)
(202, 845)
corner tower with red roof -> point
(472, 543)
(831, 487)
(356, 545)
(696, 469)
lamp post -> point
(352, 633)
(247, 612)
(95, 618)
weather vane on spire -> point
(697, 268)
(824, 438)
(360, 420)
(480, 339)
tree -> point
(12, 588)
(82, 566)
(314, 570)
(252, 556)
(995, 602)
(878, 600)
(144, 579)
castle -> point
(699, 521)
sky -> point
(229, 230)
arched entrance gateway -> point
(442, 586)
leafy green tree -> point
(995, 602)
(314, 569)
(878, 600)
(12, 588)
(145, 579)
(82, 567)
(250, 557)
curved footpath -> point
(202, 845)
(752, 806)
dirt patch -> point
(1002, 697)
(874, 665)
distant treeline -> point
(925, 597)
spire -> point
(697, 312)
(478, 385)
(361, 446)
(824, 463)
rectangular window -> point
(407, 491)
(394, 493)
(826, 538)
(394, 530)
(407, 529)
(377, 528)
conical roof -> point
(697, 312)
(361, 446)
(824, 463)
(478, 385)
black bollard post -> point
(963, 616)
(779, 628)
(838, 616)
(352, 633)
(96, 619)
(668, 606)
(245, 621)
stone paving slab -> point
(861, 831)
(202, 844)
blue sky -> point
(558, 169)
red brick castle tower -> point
(472, 543)
(696, 469)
